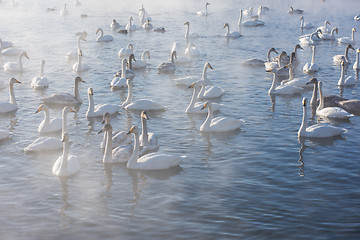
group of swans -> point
(250, 23)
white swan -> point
(5, 44)
(188, 34)
(48, 125)
(230, 34)
(283, 89)
(203, 13)
(130, 27)
(119, 138)
(42, 144)
(356, 65)
(305, 25)
(120, 81)
(11, 106)
(40, 82)
(218, 124)
(148, 141)
(348, 40)
(276, 64)
(114, 24)
(168, 67)
(311, 67)
(197, 107)
(142, 15)
(16, 66)
(102, 37)
(129, 65)
(141, 104)
(329, 36)
(181, 58)
(345, 80)
(259, 62)
(318, 130)
(324, 28)
(330, 112)
(65, 98)
(79, 66)
(151, 161)
(125, 52)
(66, 165)
(11, 51)
(141, 63)
(295, 11)
(73, 55)
(343, 58)
(311, 39)
(250, 23)
(99, 109)
(191, 51)
(147, 25)
(63, 11)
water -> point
(248, 184)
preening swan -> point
(311, 67)
(259, 62)
(130, 27)
(6, 107)
(120, 81)
(324, 28)
(218, 124)
(168, 67)
(152, 161)
(203, 13)
(99, 109)
(188, 34)
(357, 62)
(40, 82)
(66, 165)
(48, 124)
(197, 107)
(102, 37)
(119, 138)
(65, 98)
(343, 58)
(283, 89)
(141, 63)
(345, 81)
(295, 11)
(148, 141)
(79, 66)
(305, 25)
(125, 52)
(231, 34)
(72, 55)
(330, 112)
(16, 66)
(318, 130)
(329, 36)
(250, 23)
(141, 104)
(348, 40)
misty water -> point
(247, 184)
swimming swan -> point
(102, 37)
(188, 34)
(197, 107)
(348, 40)
(63, 11)
(40, 82)
(79, 66)
(130, 27)
(329, 36)
(141, 63)
(72, 55)
(324, 28)
(114, 24)
(125, 52)
(282, 89)
(120, 81)
(295, 11)
(48, 124)
(343, 58)
(203, 13)
(208, 91)
(311, 39)
(168, 67)
(99, 109)
(311, 67)
(345, 81)
(16, 66)
(250, 23)
(6, 107)
(305, 25)
(230, 34)
(147, 25)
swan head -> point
(302, 18)
(207, 104)
(41, 108)
(132, 57)
(144, 115)
(358, 50)
(226, 25)
(130, 46)
(312, 81)
(134, 129)
(273, 50)
(131, 18)
(304, 101)
(350, 46)
(299, 47)
(207, 64)
(319, 31)
(23, 53)
(327, 22)
(187, 23)
(90, 91)
(173, 54)
(106, 118)
(207, 4)
(79, 79)
(67, 109)
(291, 9)
(98, 30)
(13, 80)
(80, 52)
(106, 128)
(342, 63)
(195, 84)
(354, 30)
(336, 30)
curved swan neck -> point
(65, 156)
(101, 33)
(204, 76)
(130, 94)
(313, 56)
(42, 69)
(228, 30)
(135, 155)
(144, 135)
(357, 60)
(108, 147)
(123, 68)
(346, 54)
(47, 116)
(12, 94)
(332, 32)
(240, 18)
(20, 61)
(143, 56)
(325, 24)
(91, 104)
(291, 72)
(64, 121)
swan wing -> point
(333, 112)
(44, 144)
(225, 124)
(122, 154)
(323, 130)
(100, 109)
(145, 105)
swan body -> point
(79, 66)
(197, 107)
(66, 165)
(125, 52)
(72, 55)
(351, 106)
(186, 81)
(209, 92)
(139, 64)
(311, 67)
(191, 51)
(343, 58)
(204, 13)
(100, 109)
(188, 34)
(65, 98)
(305, 25)
(356, 65)
(102, 37)
(230, 34)
(168, 67)
(219, 124)
(130, 27)
(345, 81)
(295, 11)
(119, 138)
(48, 125)
(6, 107)
(160, 29)
(250, 23)
(348, 40)
(114, 24)
(40, 82)
(324, 28)
(120, 82)
(312, 39)
(148, 141)
(317, 130)
(11, 51)
(283, 89)
(151, 161)
(329, 36)
(16, 66)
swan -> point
(151, 161)
(351, 106)
(6, 107)
(16, 66)
(180, 58)
(66, 165)
(218, 124)
(77, 3)
(81, 34)
(141, 104)
(48, 125)
(348, 40)
(311, 39)
(329, 36)
(79, 67)
(130, 27)
(65, 98)
(276, 64)
(188, 34)
(343, 58)
(129, 72)
(11, 51)
(120, 81)
(357, 62)
(318, 130)
(141, 63)
(3, 135)
(312, 67)
(186, 81)
(345, 81)
(120, 154)
(250, 23)
(5, 44)
(100, 109)
(102, 37)
(168, 67)
(259, 62)
(286, 58)
(147, 25)
(148, 141)
(324, 28)
(230, 34)
(50, 143)
(142, 15)
(197, 107)
(72, 55)
(357, 17)
(119, 138)
(63, 11)
(330, 112)
(40, 82)
(305, 25)
(282, 89)
(295, 11)
(191, 51)
(204, 13)
(114, 24)
(249, 12)
(125, 52)
(292, 81)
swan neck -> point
(204, 76)
(76, 91)
(302, 23)
(12, 94)
(240, 18)
(303, 126)
(187, 30)
(291, 72)
(123, 69)
(321, 104)
(357, 60)
(313, 56)
(143, 56)
(47, 116)
(144, 135)
(108, 147)
(64, 122)
(206, 124)
(346, 54)
(342, 76)
(314, 95)
(135, 155)
(130, 95)
(272, 88)
(268, 56)
(228, 31)
(20, 62)
(193, 100)
(90, 110)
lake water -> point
(248, 184)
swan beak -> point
(210, 66)
(352, 47)
(26, 56)
(309, 82)
(191, 85)
(17, 81)
(130, 131)
(102, 130)
(304, 102)
(72, 110)
(204, 106)
(38, 110)
(354, 29)
(90, 91)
